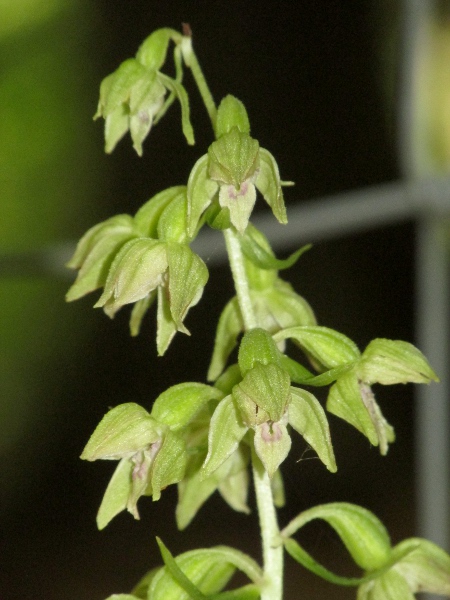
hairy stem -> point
(240, 278)
(272, 555)
(191, 61)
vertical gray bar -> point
(432, 419)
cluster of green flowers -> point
(204, 437)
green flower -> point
(338, 360)
(420, 566)
(141, 258)
(132, 97)
(231, 172)
(151, 448)
(145, 268)
(264, 402)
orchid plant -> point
(211, 436)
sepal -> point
(231, 479)
(121, 433)
(228, 329)
(307, 417)
(233, 158)
(179, 404)
(188, 275)
(268, 182)
(226, 431)
(200, 193)
(354, 402)
(424, 566)
(153, 50)
(136, 271)
(147, 217)
(257, 346)
(394, 361)
(263, 394)
(96, 251)
(231, 113)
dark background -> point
(316, 78)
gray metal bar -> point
(432, 424)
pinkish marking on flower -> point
(234, 193)
(271, 432)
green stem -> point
(272, 556)
(191, 61)
(240, 278)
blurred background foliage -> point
(318, 79)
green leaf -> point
(176, 406)
(308, 418)
(272, 445)
(269, 184)
(327, 346)
(200, 192)
(116, 495)
(231, 113)
(263, 394)
(265, 260)
(364, 536)
(179, 91)
(257, 347)
(153, 50)
(198, 573)
(147, 217)
(228, 329)
(233, 158)
(203, 571)
(394, 361)
(225, 433)
(177, 574)
(306, 560)
(188, 275)
(122, 432)
(135, 272)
